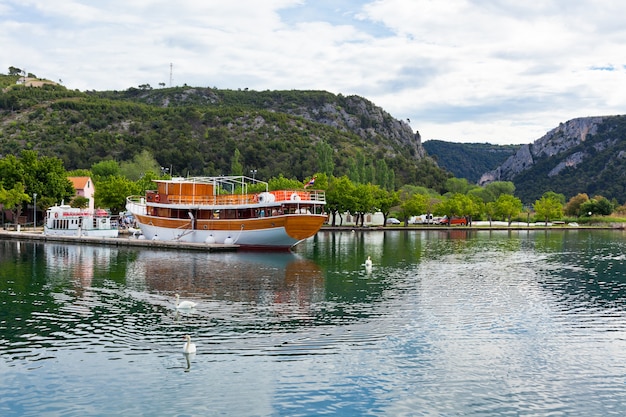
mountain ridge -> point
(582, 155)
(200, 130)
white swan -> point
(184, 305)
(368, 262)
(189, 347)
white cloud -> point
(461, 70)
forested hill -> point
(469, 160)
(205, 131)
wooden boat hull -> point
(276, 232)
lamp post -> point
(34, 211)
(253, 172)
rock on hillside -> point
(559, 140)
(352, 114)
(360, 116)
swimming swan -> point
(184, 305)
(368, 262)
(189, 347)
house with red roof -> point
(84, 187)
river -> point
(445, 323)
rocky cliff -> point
(583, 155)
(358, 115)
(557, 141)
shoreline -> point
(124, 239)
(478, 227)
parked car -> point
(391, 220)
(445, 221)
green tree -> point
(384, 200)
(508, 206)
(105, 169)
(352, 170)
(407, 190)
(11, 171)
(13, 199)
(339, 197)
(80, 173)
(491, 191)
(458, 185)
(80, 202)
(573, 206)
(549, 206)
(321, 181)
(415, 205)
(51, 180)
(141, 164)
(605, 207)
(598, 205)
(15, 71)
(498, 188)
(460, 205)
(490, 210)
(282, 183)
(360, 168)
(483, 194)
(325, 158)
(112, 192)
(364, 201)
(382, 174)
(556, 196)
(147, 182)
(42, 175)
(236, 168)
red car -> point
(454, 221)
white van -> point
(424, 218)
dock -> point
(122, 240)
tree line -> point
(23, 177)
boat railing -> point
(318, 196)
(136, 204)
(315, 196)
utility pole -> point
(34, 212)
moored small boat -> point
(221, 210)
(64, 220)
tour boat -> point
(223, 210)
(64, 220)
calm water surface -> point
(453, 323)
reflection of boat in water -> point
(77, 264)
(64, 220)
(242, 277)
(221, 210)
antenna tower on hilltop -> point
(171, 69)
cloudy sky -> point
(497, 71)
